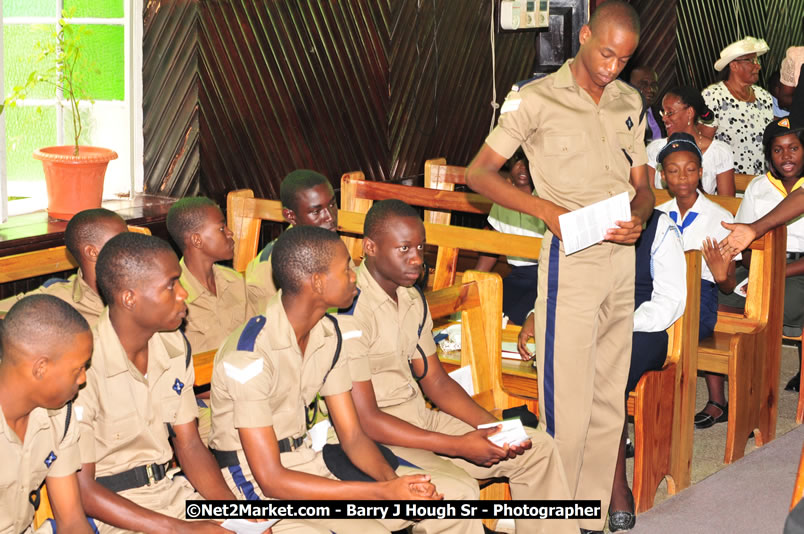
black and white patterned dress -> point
(740, 124)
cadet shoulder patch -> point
(248, 337)
(519, 85)
(351, 309)
(49, 282)
(265, 255)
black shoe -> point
(794, 382)
(622, 520)
(704, 420)
(587, 531)
(629, 449)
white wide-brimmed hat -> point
(748, 45)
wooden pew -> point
(664, 453)
(663, 404)
(747, 347)
(741, 181)
(46, 261)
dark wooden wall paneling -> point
(705, 28)
(657, 40)
(335, 86)
(170, 97)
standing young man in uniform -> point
(45, 349)
(388, 335)
(307, 200)
(84, 237)
(216, 295)
(582, 130)
(139, 394)
(269, 371)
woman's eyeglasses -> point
(668, 114)
(754, 60)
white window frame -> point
(132, 23)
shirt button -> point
(607, 167)
(603, 139)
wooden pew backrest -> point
(45, 261)
(244, 217)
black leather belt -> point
(229, 458)
(144, 475)
(795, 255)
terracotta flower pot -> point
(74, 183)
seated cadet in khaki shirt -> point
(388, 337)
(307, 200)
(46, 346)
(265, 377)
(84, 237)
(139, 392)
(216, 295)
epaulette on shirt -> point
(351, 309)
(248, 337)
(50, 281)
(266, 252)
(519, 85)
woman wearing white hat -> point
(742, 109)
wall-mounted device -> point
(524, 14)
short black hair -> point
(83, 228)
(41, 321)
(617, 11)
(766, 149)
(383, 210)
(124, 259)
(185, 217)
(299, 253)
(297, 181)
(691, 97)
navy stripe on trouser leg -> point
(550, 336)
(244, 485)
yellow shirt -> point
(211, 318)
(74, 291)
(46, 451)
(122, 414)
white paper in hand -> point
(242, 526)
(587, 226)
(512, 432)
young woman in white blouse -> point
(682, 109)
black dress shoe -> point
(587, 531)
(622, 520)
(629, 449)
(704, 420)
(794, 383)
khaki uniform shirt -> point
(260, 379)
(74, 291)
(380, 336)
(211, 318)
(45, 452)
(122, 414)
(579, 152)
(260, 284)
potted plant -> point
(74, 173)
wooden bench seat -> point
(670, 392)
(747, 347)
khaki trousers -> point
(536, 474)
(584, 325)
(243, 485)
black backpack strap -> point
(67, 419)
(418, 335)
(313, 407)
